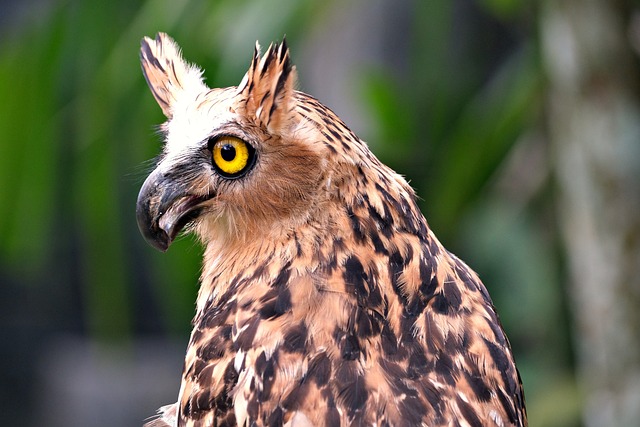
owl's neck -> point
(363, 232)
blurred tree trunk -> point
(594, 123)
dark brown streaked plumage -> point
(325, 298)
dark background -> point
(517, 121)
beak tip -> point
(149, 228)
(157, 238)
(162, 244)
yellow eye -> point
(232, 156)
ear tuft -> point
(268, 86)
(169, 76)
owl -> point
(325, 298)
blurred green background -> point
(517, 121)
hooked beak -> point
(164, 208)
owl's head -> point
(238, 161)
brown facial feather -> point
(325, 297)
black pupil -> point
(228, 152)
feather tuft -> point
(166, 417)
(268, 86)
(169, 77)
